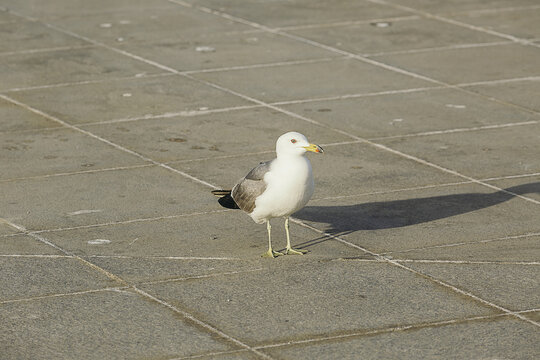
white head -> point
(293, 143)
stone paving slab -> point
(394, 36)
(227, 50)
(522, 93)
(511, 286)
(46, 68)
(5, 229)
(519, 248)
(526, 183)
(456, 6)
(304, 81)
(293, 303)
(58, 9)
(108, 324)
(398, 221)
(56, 151)
(24, 245)
(26, 277)
(535, 316)
(501, 338)
(32, 36)
(501, 152)
(456, 66)
(520, 22)
(302, 12)
(182, 138)
(152, 23)
(66, 201)
(135, 97)
(14, 118)
(413, 113)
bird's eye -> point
(293, 141)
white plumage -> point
(276, 188)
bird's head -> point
(294, 143)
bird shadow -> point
(346, 219)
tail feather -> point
(221, 193)
(225, 199)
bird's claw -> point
(271, 254)
(291, 251)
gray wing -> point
(250, 187)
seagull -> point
(275, 188)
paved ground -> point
(117, 118)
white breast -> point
(289, 188)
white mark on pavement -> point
(456, 106)
(82, 212)
(99, 242)
(205, 49)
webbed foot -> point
(291, 251)
(271, 254)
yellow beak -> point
(314, 148)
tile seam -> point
(464, 243)
(415, 326)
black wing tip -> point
(228, 202)
(225, 199)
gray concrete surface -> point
(117, 118)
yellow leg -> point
(270, 253)
(289, 250)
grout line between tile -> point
(206, 355)
(205, 276)
(267, 65)
(389, 330)
(512, 237)
(359, 95)
(39, 256)
(75, 293)
(423, 187)
(448, 47)
(86, 82)
(499, 81)
(186, 113)
(512, 177)
(467, 262)
(161, 257)
(492, 11)
(34, 51)
(345, 23)
(458, 130)
(77, 173)
(130, 221)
